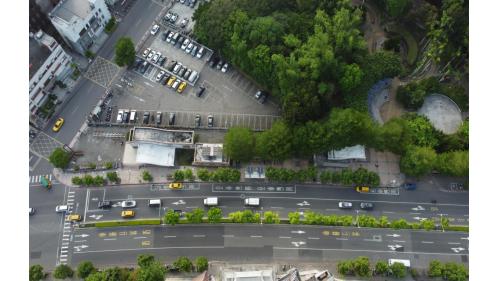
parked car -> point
(174, 39)
(194, 50)
(162, 60)
(224, 67)
(410, 186)
(220, 64)
(146, 52)
(155, 29)
(179, 40)
(171, 65)
(158, 118)
(187, 74)
(185, 44)
(197, 120)
(181, 88)
(156, 57)
(210, 121)
(345, 205)
(182, 71)
(192, 3)
(193, 76)
(171, 119)
(145, 118)
(184, 22)
(128, 204)
(200, 91)
(174, 18)
(119, 117)
(160, 76)
(169, 37)
(126, 113)
(189, 48)
(32, 211)
(104, 204)
(261, 96)
(171, 81)
(366, 205)
(177, 68)
(176, 84)
(150, 55)
(200, 52)
(164, 36)
(164, 80)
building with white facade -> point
(80, 22)
(48, 64)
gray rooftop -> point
(67, 9)
(38, 55)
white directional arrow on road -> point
(394, 247)
(97, 217)
(418, 208)
(82, 235)
(302, 204)
(117, 204)
(80, 247)
(393, 235)
(465, 238)
(95, 199)
(298, 231)
(180, 202)
(299, 243)
(419, 218)
(457, 250)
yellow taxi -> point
(362, 189)
(171, 81)
(181, 88)
(175, 185)
(58, 125)
(73, 217)
(128, 214)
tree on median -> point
(201, 264)
(153, 272)
(36, 273)
(63, 271)
(84, 269)
(172, 217)
(183, 264)
(145, 260)
(214, 215)
(124, 51)
(398, 270)
(60, 158)
(196, 216)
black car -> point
(182, 71)
(171, 119)
(200, 91)
(162, 60)
(104, 204)
(366, 205)
(197, 120)
(158, 118)
(210, 121)
(220, 64)
(171, 65)
(213, 62)
(145, 118)
(186, 75)
(164, 36)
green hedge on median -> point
(125, 223)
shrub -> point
(108, 165)
(36, 273)
(271, 217)
(84, 269)
(294, 217)
(99, 181)
(92, 166)
(214, 215)
(201, 264)
(110, 25)
(146, 176)
(435, 269)
(112, 177)
(63, 271)
(382, 268)
(76, 180)
(178, 175)
(398, 270)
(345, 267)
(183, 264)
(362, 266)
(88, 180)
(203, 174)
(196, 216)
(188, 174)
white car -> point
(156, 57)
(169, 37)
(200, 53)
(146, 52)
(189, 48)
(62, 209)
(119, 117)
(185, 44)
(224, 68)
(159, 76)
(129, 204)
(151, 54)
(155, 29)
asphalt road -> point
(302, 198)
(258, 243)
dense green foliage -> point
(239, 144)
(398, 270)
(183, 264)
(455, 163)
(201, 264)
(59, 158)
(84, 269)
(36, 273)
(195, 216)
(214, 215)
(146, 176)
(63, 271)
(124, 51)
(171, 217)
(246, 216)
(413, 94)
(155, 271)
(112, 177)
(271, 217)
(418, 161)
(144, 260)
(348, 177)
(289, 175)
(307, 53)
(359, 266)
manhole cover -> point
(35, 255)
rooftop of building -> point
(38, 55)
(162, 136)
(210, 153)
(67, 9)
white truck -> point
(211, 201)
(405, 262)
(253, 202)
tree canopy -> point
(239, 144)
(124, 51)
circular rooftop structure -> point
(444, 114)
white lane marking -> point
(385, 212)
(79, 241)
(63, 256)
(256, 236)
(110, 239)
(313, 238)
(415, 213)
(198, 236)
(149, 249)
(453, 243)
(227, 235)
(285, 237)
(276, 207)
(361, 250)
(63, 260)
(427, 242)
(343, 239)
(399, 241)
(169, 236)
(140, 237)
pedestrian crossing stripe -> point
(36, 179)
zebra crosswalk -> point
(66, 232)
(36, 179)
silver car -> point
(129, 204)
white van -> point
(253, 202)
(155, 203)
(211, 201)
(405, 262)
(193, 76)
(132, 116)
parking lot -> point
(228, 96)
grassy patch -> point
(457, 228)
